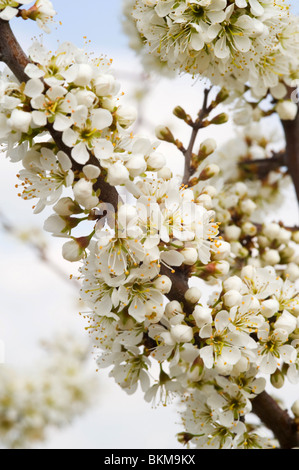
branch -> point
(13, 55)
(197, 125)
(278, 420)
(264, 166)
(291, 129)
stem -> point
(278, 420)
(197, 125)
(291, 129)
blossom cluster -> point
(67, 126)
(229, 42)
(60, 389)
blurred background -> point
(38, 300)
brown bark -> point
(278, 420)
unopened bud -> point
(202, 316)
(232, 283)
(190, 256)
(182, 333)
(219, 119)
(295, 408)
(163, 284)
(222, 95)
(287, 110)
(232, 298)
(173, 308)
(66, 207)
(209, 172)
(277, 379)
(208, 146)
(193, 295)
(164, 133)
(74, 250)
(180, 113)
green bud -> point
(277, 379)
(165, 134)
(222, 95)
(219, 119)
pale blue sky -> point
(99, 20)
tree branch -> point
(13, 55)
(291, 129)
(278, 420)
(196, 126)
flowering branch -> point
(12, 54)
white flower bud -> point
(156, 161)
(85, 97)
(66, 207)
(287, 110)
(270, 307)
(240, 189)
(295, 408)
(249, 229)
(126, 115)
(83, 194)
(222, 267)
(209, 171)
(232, 298)
(118, 174)
(202, 316)
(206, 201)
(193, 295)
(136, 165)
(54, 224)
(223, 251)
(271, 231)
(232, 232)
(190, 256)
(20, 120)
(210, 190)
(208, 146)
(287, 322)
(263, 241)
(248, 272)
(163, 284)
(84, 74)
(295, 237)
(236, 248)
(173, 308)
(232, 283)
(284, 236)
(105, 85)
(182, 333)
(91, 172)
(72, 252)
(248, 206)
(292, 272)
(271, 257)
(165, 173)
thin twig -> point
(196, 126)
